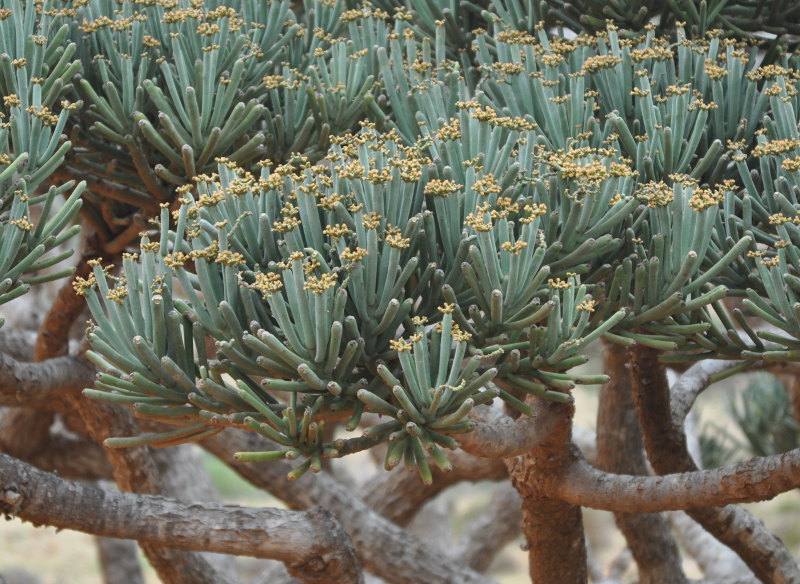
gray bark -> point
(312, 543)
(384, 548)
(119, 563)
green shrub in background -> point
(348, 226)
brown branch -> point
(553, 527)
(70, 458)
(620, 450)
(312, 543)
(53, 337)
(183, 476)
(497, 435)
(24, 431)
(667, 450)
(384, 548)
(398, 495)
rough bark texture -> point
(384, 548)
(754, 480)
(23, 383)
(312, 544)
(497, 435)
(620, 451)
(135, 470)
(552, 527)
(666, 448)
(184, 477)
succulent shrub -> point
(360, 208)
(430, 262)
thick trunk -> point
(552, 528)
(620, 451)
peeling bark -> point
(620, 450)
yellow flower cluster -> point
(318, 285)
(774, 147)
(442, 188)
(515, 248)
(655, 194)
(559, 284)
(703, 199)
(780, 219)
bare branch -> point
(717, 561)
(398, 495)
(25, 382)
(692, 383)
(184, 477)
(551, 525)
(53, 339)
(71, 458)
(135, 470)
(17, 343)
(24, 431)
(312, 543)
(500, 436)
(757, 479)
(384, 548)
(586, 441)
